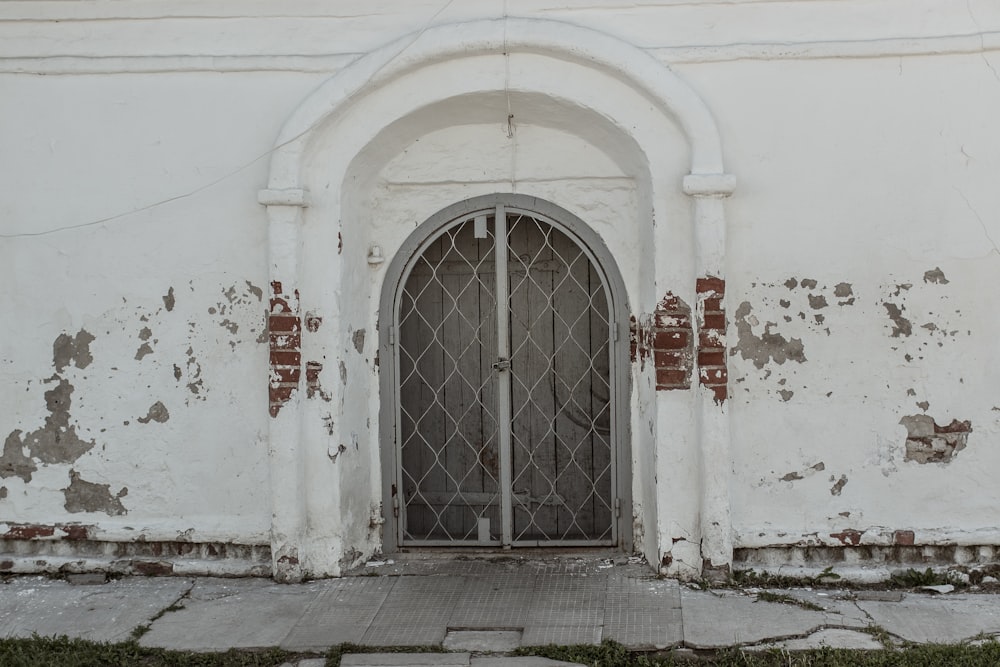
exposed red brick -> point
(280, 341)
(283, 323)
(281, 393)
(670, 340)
(285, 358)
(711, 357)
(285, 375)
(671, 378)
(713, 375)
(75, 532)
(667, 319)
(712, 304)
(313, 369)
(849, 537)
(28, 531)
(714, 321)
(664, 359)
(711, 284)
(903, 538)
(313, 322)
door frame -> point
(618, 312)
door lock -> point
(501, 365)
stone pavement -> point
(479, 609)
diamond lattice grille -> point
(557, 412)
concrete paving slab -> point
(100, 612)
(341, 612)
(644, 628)
(224, 614)
(827, 637)
(542, 635)
(405, 660)
(717, 619)
(487, 641)
(937, 619)
(494, 601)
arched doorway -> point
(506, 382)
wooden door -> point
(505, 399)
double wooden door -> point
(504, 428)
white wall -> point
(134, 138)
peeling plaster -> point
(838, 486)
(143, 350)
(935, 275)
(766, 347)
(57, 441)
(168, 299)
(13, 462)
(929, 442)
(358, 338)
(84, 496)
(74, 349)
(157, 412)
(901, 325)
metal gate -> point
(505, 430)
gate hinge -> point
(395, 506)
(618, 508)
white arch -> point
(554, 38)
(286, 196)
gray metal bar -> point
(503, 375)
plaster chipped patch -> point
(817, 301)
(84, 496)
(843, 290)
(168, 300)
(343, 372)
(811, 470)
(143, 350)
(157, 412)
(358, 338)
(13, 462)
(901, 325)
(923, 405)
(75, 349)
(3, 492)
(838, 486)
(808, 283)
(57, 441)
(254, 290)
(145, 334)
(935, 275)
(929, 442)
(786, 394)
(230, 326)
(791, 283)
(766, 347)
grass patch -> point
(611, 654)
(64, 652)
(915, 578)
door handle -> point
(501, 365)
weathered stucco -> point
(180, 360)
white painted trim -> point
(288, 197)
(570, 42)
(709, 185)
(164, 63)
